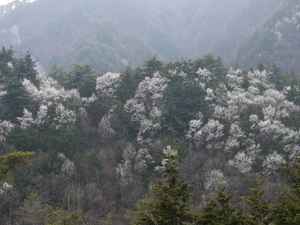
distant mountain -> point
(276, 41)
(110, 34)
(9, 5)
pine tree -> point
(33, 211)
(10, 160)
(259, 212)
(26, 68)
(12, 73)
(170, 204)
(286, 210)
(15, 99)
(220, 210)
(60, 216)
(151, 66)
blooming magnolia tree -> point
(204, 76)
(63, 118)
(50, 91)
(144, 106)
(106, 84)
(247, 142)
(5, 128)
(134, 161)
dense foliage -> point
(98, 140)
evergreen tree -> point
(220, 210)
(6, 60)
(277, 77)
(10, 160)
(60, 216)
(81, 78)
(151, 66)
(259, 212)
(12, 73)
(286, 210)
(33, 211)
(170, 204)
(15, 99)
(26, 68)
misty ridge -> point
(109, 35)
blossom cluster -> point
(144, 106)
(63, 117)
(134, 161)
(106, 84)
(5, 187)
(204, 76)
(50, 91)
(206, 134)
(68, 167)
(5, 128)
(265, 138)
(105, 130)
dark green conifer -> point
(170, 203)
(220, 210)
(259, 212)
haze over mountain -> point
(4, 2)
(275, 41)
(109, 35)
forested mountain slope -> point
(276, 41)
(98, 139)
(109, 35)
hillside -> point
(109, 35)
(97, 140)
(276, 41)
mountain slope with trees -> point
(98, 139)
(277, 41)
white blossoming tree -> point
(134, 161)
(144, 107)
(5, 128)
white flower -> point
(155, 113)
(5, 187)
(133, 161)
(50, 91)
(209, 133)
(213, 179)
(5, 128)
(104, 128)
(142, 160)
(67, 167)
(242, 161)
(168, 151)
(106, 84)
(144, 106)
(86, 101)
(272, 162)
(234, 78)
(26, 120)
(259, 78)
(64, 117)
(203, 77)
(292, 149)
(41, 116)
(210, 96)
(136, 108)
